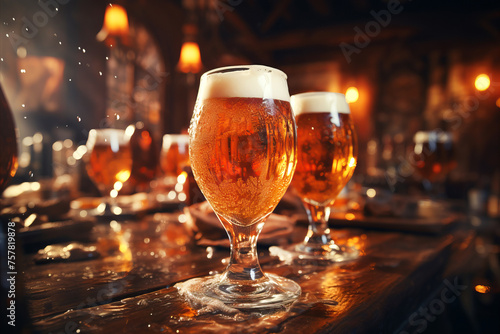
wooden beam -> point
(248, 39)
(326, 36)
(278, 10)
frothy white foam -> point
(115, 137)
(181, 139)
(244, 81)
(319, 102)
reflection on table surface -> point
(118, 273)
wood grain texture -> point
(131, 289)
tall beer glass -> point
(433, 158)
(326, 159)
(109, 161)
(174, 154)
(243, 153)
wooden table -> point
(130, 289)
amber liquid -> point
(435, 161)
(242, 152)
(326, 156)
(145, 155)
(106, 167)
(174, 159)
(8, 144)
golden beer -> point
(326, 155)
(174, 154)
(244, 163)
(326, 159)
(110, 159)
(145, 155)
(242, 151)
(433, 155)
(106, 167)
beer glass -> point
(8, 143)
(174, 154)
(109, 161)
(433, 158)
(326, 159)
(243, 153)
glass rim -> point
(175, 135)
(243, 68)
(103, 134)
(170, 138)
(309, 94)
(319, 101)
(102, 130)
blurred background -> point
(68, 66)
(422, 79)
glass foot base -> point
(228, 296)
(307, 254)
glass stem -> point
(318, 233)
(244, 263)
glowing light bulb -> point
(351, 95)
(482, 82)
(190, 59)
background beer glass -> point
(433, 159)
(174, 154)
(242, 152)
(109, 161)
(326, 159)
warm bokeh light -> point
(371, 192)
(118, 186)
(123, 175)
(482, 288)
(116, 20)
(117, 210)
(351, 94)
(115, 24)
(498, 102)
(182, 177)
(190, 59)
(482, 82)
(350, 216)
(352, 162)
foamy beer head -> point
(253, 81)
(326, 146)
(110, 137)
(243, 141)
(319, 102)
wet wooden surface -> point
(130, 288)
